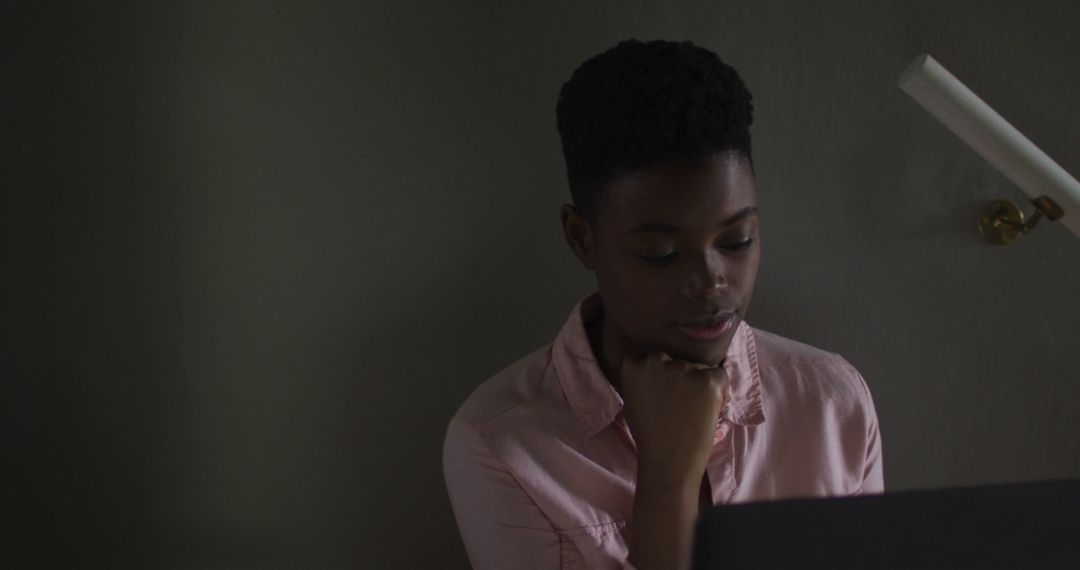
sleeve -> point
(502, 527)
(873, 470)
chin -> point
(711, 354)
(682, 349)
(701, 355)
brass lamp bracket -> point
(1002, 222)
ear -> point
(579, 236)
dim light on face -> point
(677, 254)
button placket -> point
(721, 470)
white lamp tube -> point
(965, 114)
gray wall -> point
(256, 253)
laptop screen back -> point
(1026, 525)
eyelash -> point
(665, 259)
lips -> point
(707, 329)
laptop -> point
(1020, 525)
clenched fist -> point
(671, 407)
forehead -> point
(681, 192)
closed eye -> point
(737, 246)
(658, 259)
(734, 247)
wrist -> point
(672, 480)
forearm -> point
(662, 530)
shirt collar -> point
(595, 401)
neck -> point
(609, 347)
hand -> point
(671, 407)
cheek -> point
(748, 277)
(749, 267)
(635, 288)
(634, 295)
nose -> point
(707, 276)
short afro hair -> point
(642, 102)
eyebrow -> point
(656, 227)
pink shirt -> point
(540, 465)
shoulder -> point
(794, 370)
(520, 383)
(775, 350)
(516, 413)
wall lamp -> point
(1054, 193)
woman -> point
(656, 398)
